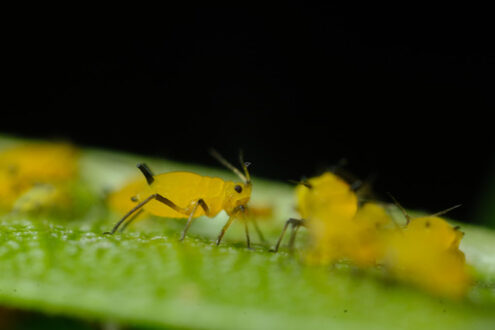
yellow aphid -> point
(426, 253)
(190, 195)
(321, 201)
(26, 165)
(40, 162)
(421, 255)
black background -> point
(402, 93)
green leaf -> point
(147, 278)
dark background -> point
(402, 93)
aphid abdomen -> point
(183, 189)
(213, 190)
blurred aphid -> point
(25, 166)
(40, 162)
(426, 253)
(323, 200)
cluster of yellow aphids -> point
(425, 252)
(34, 176)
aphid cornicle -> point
(189, 195)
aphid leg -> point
(293, 222)
(131, 219)
(170, 204)
(258, 230)
(225, 227)
(158, 197)
(293, 234)
(134, 209)
(201, 203)
(275, 249)
(248, 240)
(189, 221)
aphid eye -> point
(238, 189)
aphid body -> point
(321, 201)
(185, 189)
(41, 162)
(426, 253)
(182, 194)
(24, 166)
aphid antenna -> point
(445, 211)
(215, 154)
(402, 209)
(244, 166)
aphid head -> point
(437, 230)
(237, 194)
